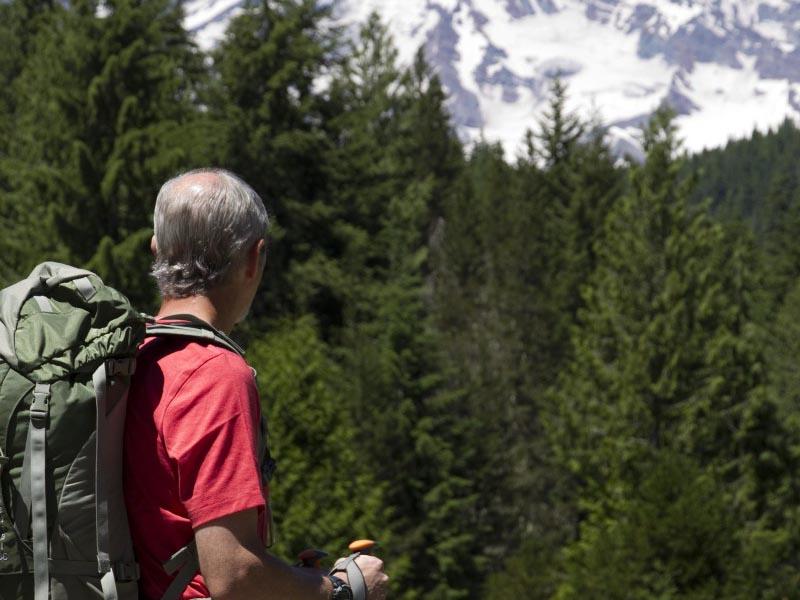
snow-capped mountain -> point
(726, 66)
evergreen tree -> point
(783, 352)
(111, 96)
(477, 297)
(652, 315)
(518, 244)
(20, 20)
(393, 167)
(738, 178)
(352, 197)
(270, 116)
(324, 494)
(782, 257)
(666, 360)
(671, 537)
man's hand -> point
(377, 581)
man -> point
(192, 464)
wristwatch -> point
(341, 591)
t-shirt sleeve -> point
(210, 431)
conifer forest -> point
(559, 375)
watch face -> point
(341, 591)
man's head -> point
(206, 222)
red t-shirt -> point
(191, 450)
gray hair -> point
(204, 222)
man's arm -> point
(236, 566)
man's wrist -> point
(341, 591)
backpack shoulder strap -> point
(189, 326)
(184, 564)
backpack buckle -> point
(40, 407)
(121, 366)
(126, 571)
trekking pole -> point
(363, 546)
(348, 565)
(310, 558)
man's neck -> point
(202, 307)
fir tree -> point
(270, 117)
(394, 165)
(518, 244)
(324, 494)
(666, 358)
(671, 537)
(20, 20)
(111, 96)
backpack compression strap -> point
(34, 487)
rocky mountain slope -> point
(726, 66)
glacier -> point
(727, 67)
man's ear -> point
(153, 246)
(256, 257)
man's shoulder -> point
(171, 367)
(188, 354)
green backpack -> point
(68, 347)
(67, 351)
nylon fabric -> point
(44, 304)
(187, 331)
(78, 336)
(111, 398)
(11, 300)
(75, 568)
(85, 288)
(44, 276)
(41, 575)
(101, 496)
(189, 322)
(355, 577)
(110, 394)
(185, 558)
(22, 510)
(76, 505)
(56, 328)
(179, 558)
(109, 585)
(3, 466)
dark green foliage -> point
(557, 377)
(479, 294)
(518, 243)
(757, 181)
(20, 21)
(269, 123)
(664, 351)
(531, 572)
(110, 95)
(670, 537)
(667, 359)
(736, 178)
(127, 264)
(324, 494)
(394, 163)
